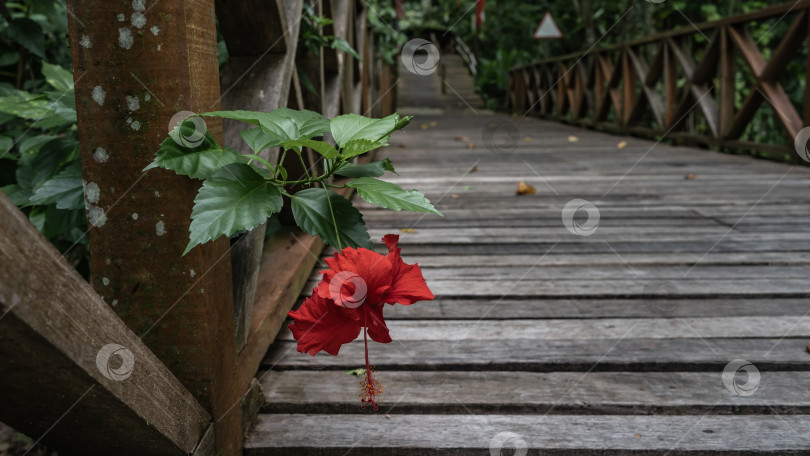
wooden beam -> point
(55, 380)
(772, 91)
(129, 85)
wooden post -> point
(135, 68)
(728, 73)
(670, 85)
(629, 89)
(807, 77)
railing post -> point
(134, 69)
(728, 73)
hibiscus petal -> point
(377, 329)
(320, 324)
(407, 284)
(374, 270)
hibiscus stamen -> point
(369, 386)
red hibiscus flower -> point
(351, 297)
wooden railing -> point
(197, 326)
(681, 84)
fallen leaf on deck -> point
(474, 169)
(528, 139)
(387, 416)
(454, 196)
(621, 145)
(424, 126)
(690, 177)
(401, 145)
(525, 189)
(408, 230)
(356, 372)
(638, 435)
(469, 187)
(573, 139)
(434, 123)
(470, 145)
(462, 138)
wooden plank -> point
(550, 434)
(472, 308)
(494, 329)
(609, 393)
(52, 328)
(287, 260)
(576, 355)
(618, 270)
(181, 306)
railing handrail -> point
(772, 11)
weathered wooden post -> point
(135, 67)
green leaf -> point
(65, 190)
(27, 33)
(41, 164)
(282, 124)
(236, 198)
(257, 139)
(391, 196)
(58, 77)
(310, 208)
(17, 195)
(321, 147)
(350, 127)
(357, 147)
(198, 163)
(343, 45)
(374, 169)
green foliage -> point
(325, 213)
(239, 195)
(391, 196)
(311, 37)
(388, 40)
(39, 149)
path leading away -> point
(560, 333)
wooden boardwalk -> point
(559, 343)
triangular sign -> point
(548, 28)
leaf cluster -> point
(239, 192)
